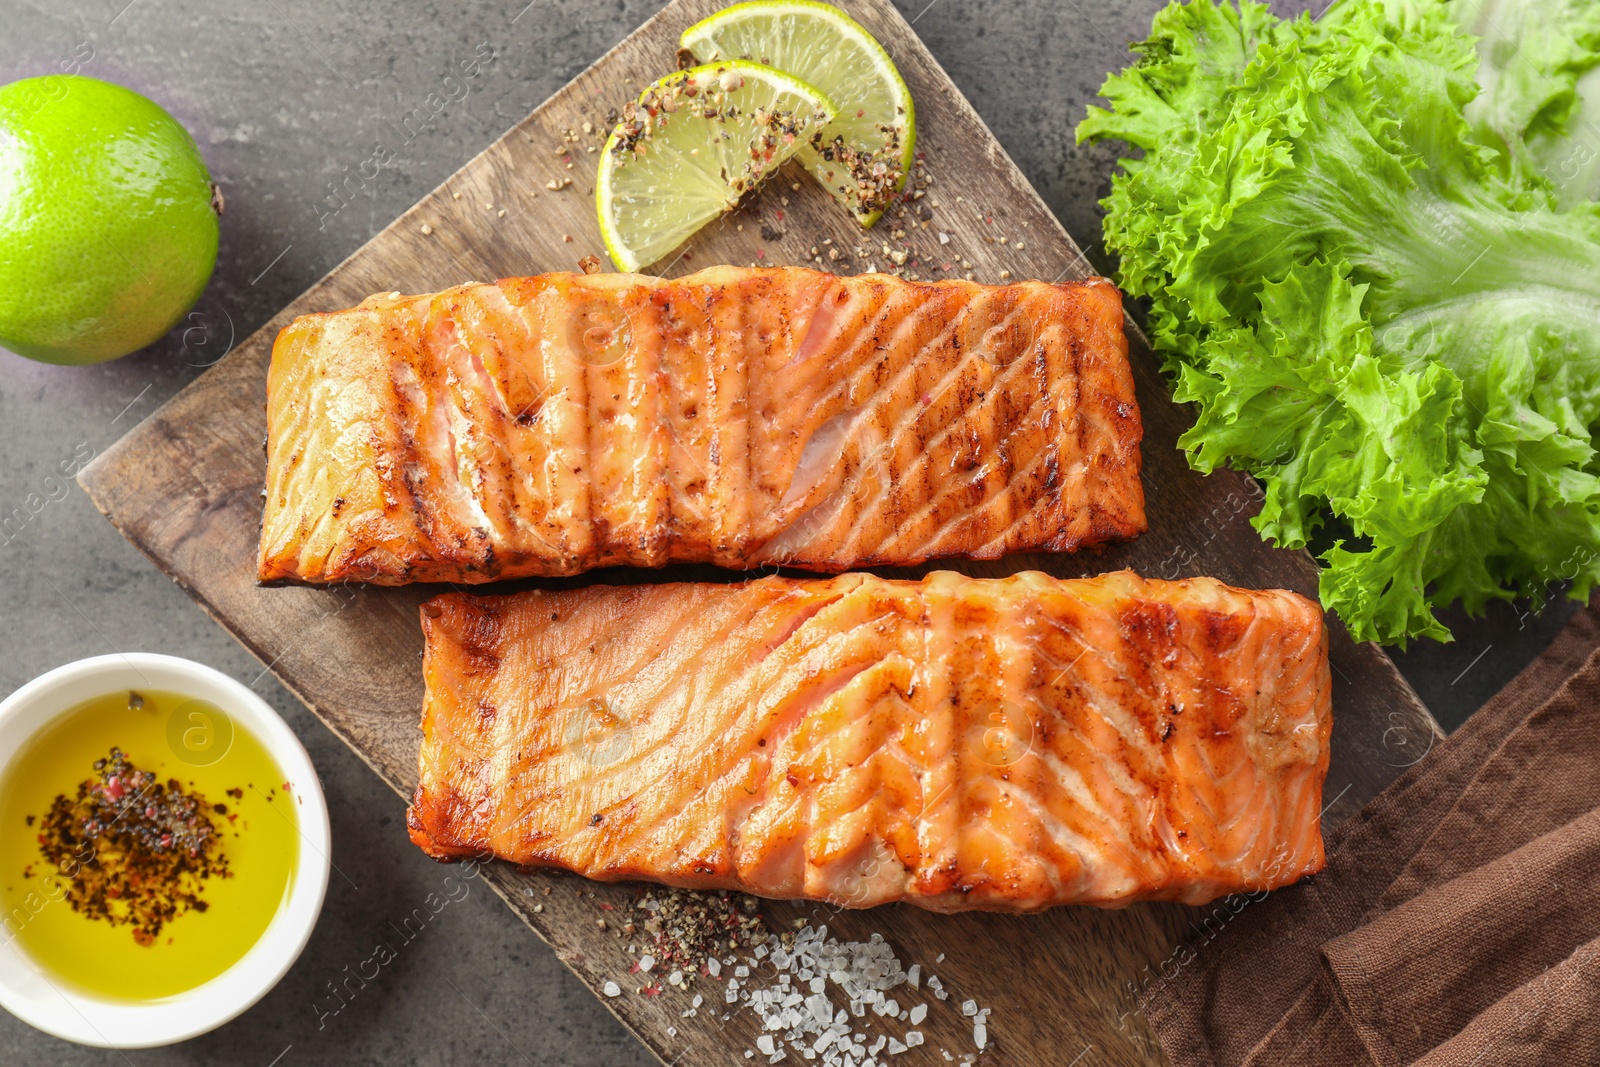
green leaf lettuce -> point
(1374, 309)
(1539, 69)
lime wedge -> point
(866, 152)
(696, 141)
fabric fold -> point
(1417, 975)
(1549, 1020)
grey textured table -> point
(285, 98)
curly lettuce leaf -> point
(1371, 309)
(1539, 69)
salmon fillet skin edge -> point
(545, 426)
(955, 743)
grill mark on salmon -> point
(955, 743)
(544, 426)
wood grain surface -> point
(185, 487)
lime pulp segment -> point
(691, 146)
(868, 149)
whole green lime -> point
(107, 230)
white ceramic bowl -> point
(88, 1020)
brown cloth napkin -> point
(1456, 922)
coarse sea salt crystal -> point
(810, 1025)
(646, 962)
(765, 1044)
(612, 989)
(713, 965)
(969, 1007)
(980, 1035)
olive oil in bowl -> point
(144, 872)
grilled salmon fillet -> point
(547, 425)
(954, 743)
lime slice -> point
(866, 153)
(695, 142)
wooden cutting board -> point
(185, 487)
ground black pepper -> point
(686, 930)
(134, 851)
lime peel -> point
(108, 219)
